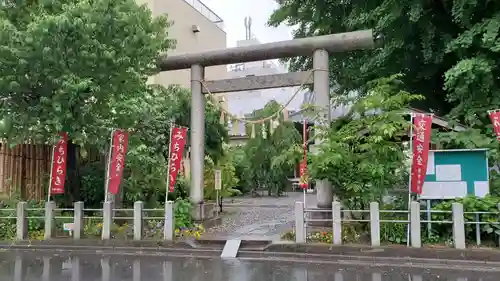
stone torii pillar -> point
(324, 192)
(319, 47)
(197, 128)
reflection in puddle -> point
(27, 266)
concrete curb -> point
(187, 244)
(481, 255)
(63, 243)
(242, 205)
(267, 249)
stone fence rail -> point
(107, 215)
(412, 218)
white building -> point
(196, 28)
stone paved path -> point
(262, 218)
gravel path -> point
(263, 218)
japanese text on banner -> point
(304, 179)
(495, 120)
(177, 144)
(119, 150)
(422, 125)
(58, 173)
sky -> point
(233, 12)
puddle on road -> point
(27, 266)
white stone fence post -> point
(415, 224)
(78, 226)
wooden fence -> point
(24, 169)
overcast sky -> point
(233, 12)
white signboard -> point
(218, 180)
(449, 173)
(69, 227)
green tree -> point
(75, 65)
(447, 50)
(228, 175)
(82, 67)
(149, 143)
(241, 166)
(362, 154)
(261, 151)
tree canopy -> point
(82, 66)
(75, 66)
(363, 155)
(447, 50)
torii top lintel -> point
(340, 42)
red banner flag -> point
(177, 144)
(303, 174)
(119, 151)
(303, 182)
(495, 120)
(422, 125)
(58, 173)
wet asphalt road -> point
(24, 266)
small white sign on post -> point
(218, 186)
(218, 180)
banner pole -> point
(51, 172)
(304, 146)
(409, 181)
(108, 168)
(305, 196)
(217, 202)
(169, 159)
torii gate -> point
(319, 47)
